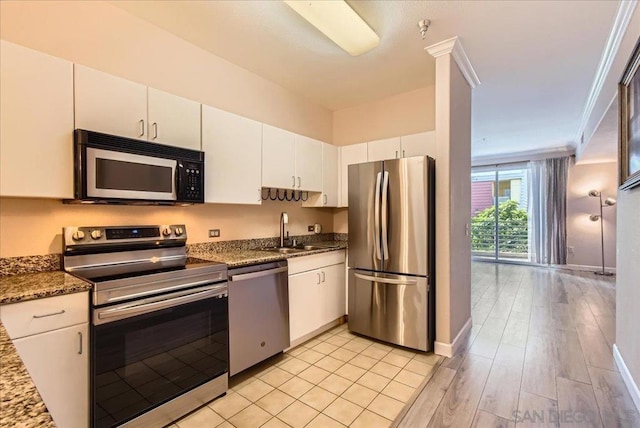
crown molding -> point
(454, 47)
(618, 30)
(524, 156)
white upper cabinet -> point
(308, 164)
(389, 148)
(36, 124)
(290, 161)
(173, 120)
(330, 172)
(233, 157)
(110, 104)
(278, 158)
(422, 144)
(349, 155)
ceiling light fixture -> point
(336, 20)
(423, 25)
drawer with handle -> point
(46, 314)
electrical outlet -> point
(214, 233)
(571, 250)
(310, 228)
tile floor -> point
(337, 379)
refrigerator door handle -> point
(386, 280)
(385, 215)
(376, 217)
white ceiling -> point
(536, 59)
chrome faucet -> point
(284, 219)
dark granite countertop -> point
(245, 257)
(20, 403)
(29, 286)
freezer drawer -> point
(393, 308)
(258, 314)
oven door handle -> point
(103, 316)
(156, 291)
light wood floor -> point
(539, 354)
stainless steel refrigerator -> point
(391, 251)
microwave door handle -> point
(177, 181)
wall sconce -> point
(609, 202)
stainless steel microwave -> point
(112, 169)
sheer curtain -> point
(537, 211)
(548, 210)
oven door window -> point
(146, 360)
(127, 176)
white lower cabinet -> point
(316, 293)
(304, 308)
(58, 363)
(51, 336)
(332, 294)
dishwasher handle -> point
(258, 274)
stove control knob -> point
(96, 234)
(166, 231)
(78, 235)
(179, 231)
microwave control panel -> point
(192, 183)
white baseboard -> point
(449, 349)
(583, 268)
(626, 377)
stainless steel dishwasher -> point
(258, 314)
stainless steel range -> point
(159, 323)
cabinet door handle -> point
(141, 127)
(325, 199)
(299, 182)
(323, 277)
(79, 343)
(294, 181)
(50, 315)
(155, 130)
(403, 153)
(318, 273)
(259, 195)
(396, 154)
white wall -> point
(583, 234)
(628, 280)
(401, 114)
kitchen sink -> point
(283, 250)
(314, 247)
(299, 248)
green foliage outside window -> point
(513, 231)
